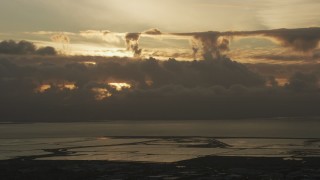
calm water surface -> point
(161, 141)
(287, 128)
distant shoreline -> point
(167, 120)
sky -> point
(159, 59)
(167, 15)
(39, 20)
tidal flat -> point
(128, 150)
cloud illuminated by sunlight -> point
(61, 86)
(43, 87)
(120, 86)
(89, 63)
(101, 93)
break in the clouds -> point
(104, 35)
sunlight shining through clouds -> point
(120, 86)
(159, 89)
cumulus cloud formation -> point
(73, 88)
(100, 88)
(24, 48)
(191, 74)
(46, 51)
(132, 42)
(302, 82)
(211, 45)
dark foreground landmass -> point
(210, 167)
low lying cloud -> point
(100, 88)
(24, 48)
(136, 72)
(71, 88)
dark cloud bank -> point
(300, 39)
(216, 89)
(24, 48)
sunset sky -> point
(159, 58)
(167, 15)
(38, 21)
(159, 89)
